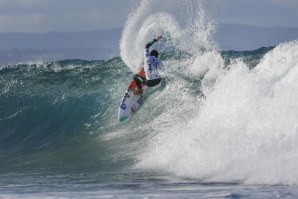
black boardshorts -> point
(153, 82)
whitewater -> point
(222, 124)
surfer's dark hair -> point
(154, 53)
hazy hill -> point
(242, 37)
(15, 47)
(92, 45)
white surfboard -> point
(131, 102)
(129, 105)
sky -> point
(85, 15)
(262, 13)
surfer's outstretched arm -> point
(152, 42)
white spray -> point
(246, 129)
(168, 18)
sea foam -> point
(242, 129)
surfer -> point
(151, 66)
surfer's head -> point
(154, 53)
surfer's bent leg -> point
(139, 80)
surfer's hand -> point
(158, 38)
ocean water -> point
(222, 124)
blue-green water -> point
(60, 137)
(222, 124)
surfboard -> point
(131, 102)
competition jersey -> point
(151, 66)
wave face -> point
(51, 113)
(217, 116)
